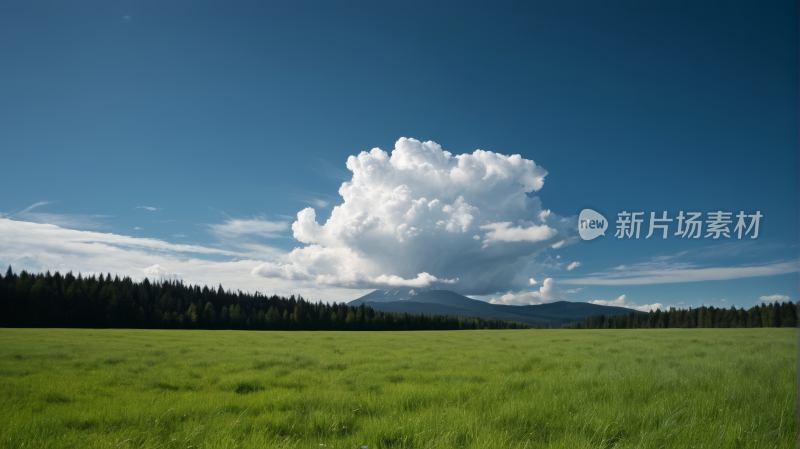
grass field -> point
(668, 388)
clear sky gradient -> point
(185, 137)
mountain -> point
(397, 294)
(446, 302)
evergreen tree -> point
(191, 316)
(209, 316)
(774, 315)
(224, 317)
(142, 318)
(350, 321)
(285, 319)
(788, 315)
(261, 319)
(273, 318)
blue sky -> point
(184, 138)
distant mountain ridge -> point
(446, 302)
(396, 294)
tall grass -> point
(667, 388)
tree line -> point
(764, 315)
(55, 300)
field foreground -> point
(654, 388)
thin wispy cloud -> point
(664, 257)
(252, 226)
(33, 206)
(53, 232)
(79, 221)
(322, 204)
(573, 266)
(40, 247)
(330, 170)
(147, 207)
(662, 272)
(126, 18)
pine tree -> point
(351, 318)
(191, 315)
(788, 313)
(209, 316)
(142, 318)
(754, 320)
(224, 317)
(273, 318)
(235, 316)
(672, 319)
(158, 319)
(774, 315)
(261, 319)
(298, 314)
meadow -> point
(652, 388)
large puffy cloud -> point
(423, 217)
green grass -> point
(668, 388)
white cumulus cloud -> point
(503, 232)
(622, 301)
(548, 292)
(412, 219)
(156, 271)
(772, 298)
(573, 265)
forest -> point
(763, 315)
(67, 301)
